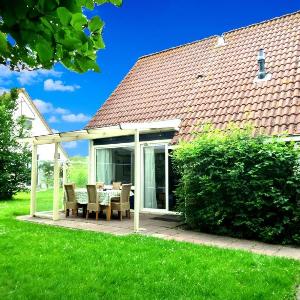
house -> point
(37, 125)
(249, 74)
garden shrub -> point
(237, 184)
(14, 157)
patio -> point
(136, 132)
(165, 227)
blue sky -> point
(68, 100)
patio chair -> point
(100, 185)
(121, 204)
(116, 185)
(70, 202)
(93, 204)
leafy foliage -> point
(14, 158)
(235, 184)
(46, 169)
(38, 33)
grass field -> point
(44, 200)
(78, 171)
(43, 262)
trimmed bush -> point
(234, 183)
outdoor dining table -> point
(104, 197)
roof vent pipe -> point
(220, 41)
(261, 58)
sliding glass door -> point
(154, 162)
(115, 164)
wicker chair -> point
(93, 204)
(121, 204)
(100, 185)
(116, 185)
(71, 202)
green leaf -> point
(44, 50)
(89, 4)
(3, 42)
(99, 43)
(46, 5)
(86, 64)
(59, 51)
(116, 2)
(95, 24)
(78, 21)
(46, 23)
(64, 15)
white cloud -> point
(5, 71)
(54, 130)
(47, 107)
(53, 119)
(76, 118)
(3, 90)
(25, 77)
(61, 111)
(30, 77)
(58, 85)
(5, 75)
(70, 145)
(42, 106)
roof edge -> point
(215, 35)
(25, 93)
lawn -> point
(43, 262)
(78, 170)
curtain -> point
(149, 178)
(104, 166)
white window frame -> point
(166, 143)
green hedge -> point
(232, 183)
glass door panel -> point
(154, 177)
(115, 164)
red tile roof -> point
(201, 83)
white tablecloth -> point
(103, 196)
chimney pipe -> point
(261, 58)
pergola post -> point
(56, 184)
(137, 180)
(64, 179)
(91, 164)
(33, 180)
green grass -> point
(78, 170)
(44, 262)
(44, 200)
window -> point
(28, 123)
(115, 164)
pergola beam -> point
(51, 139)
(112, 131)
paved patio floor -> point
(166, 227)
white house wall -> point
(44, 152)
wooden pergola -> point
(122, 129)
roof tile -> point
(167, 85)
